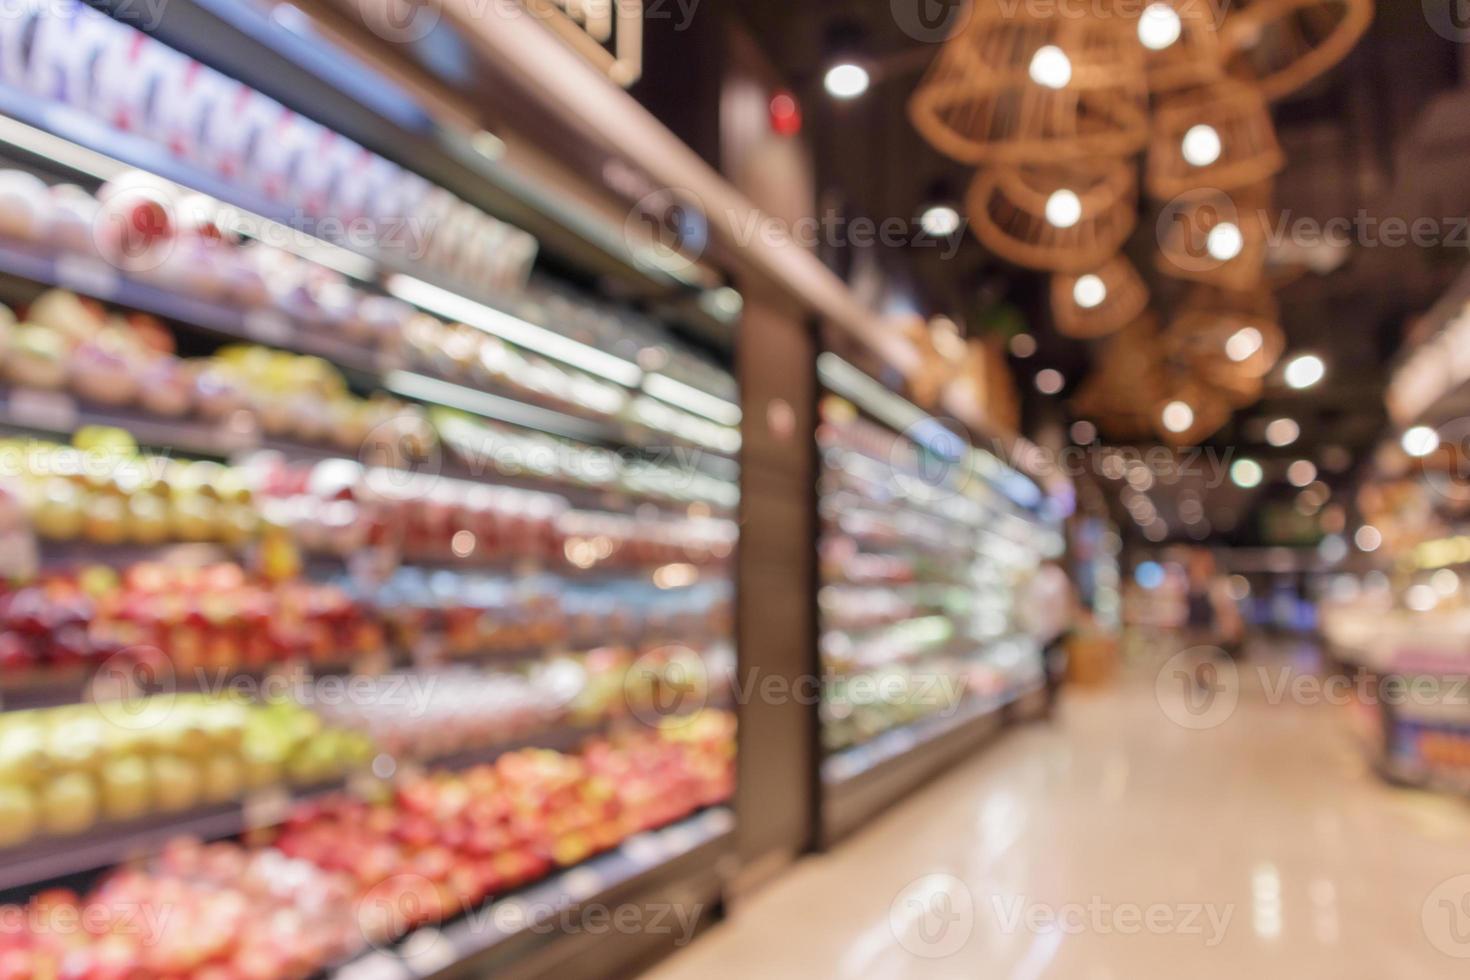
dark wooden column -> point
(776, 797)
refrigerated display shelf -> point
(517, 935)
(859, 781)
(280, 54)
(107, 845)
(92, 277)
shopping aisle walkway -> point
(1258, 848)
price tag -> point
(89, 276)
(680, 839)
(54, 410)
(269, 327)
(645, 850)
(381, 965)
(428, 951)
(582, 883)
(266, 808)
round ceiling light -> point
(1089, 291)
(846, 80)
(1050, 67)
(1283, 432)
(1420, 441)
(1201, 145)
(1178, 416)
(1243, 344)
(1159, 26)
(1063, 208)
(1305, 371)
(1224, 242)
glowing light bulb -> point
(1159, 26)
(1243, 344)
(846, 80)
(1201, 145)
(1063, 208)
(1305, 371)
(1420, 441)
(1224, 242)
(1089, 291)
(1178, 416)
(1050, 67)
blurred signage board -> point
(608, 33)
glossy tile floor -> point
(1145, 833)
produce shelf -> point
(105, 845)
(518, 935)
(95, 278)
(859, 781)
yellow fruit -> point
(69, 804)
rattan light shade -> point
(1196, 56)
(981, 101)
(1218, 136)
(1215, 237)
(1207, 411)
(1098, 302)
(1281, 45)
(1229, 339)
(1012, 211)
(1126, 381)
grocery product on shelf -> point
(337, 875)
(253, 142)
(921, 558)
(103, 491)
(65, 770)
(371, 525)
(187, 619)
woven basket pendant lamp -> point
(1218, 136)
(1061, 220)
(1282, 45)
(1125, 382)
(1215, 237)
(1228, 338)
(1189, 412)
(1102, 301)
(1181, 43)
(1018, 86)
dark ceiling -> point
(1385, 134)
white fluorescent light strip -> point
(77, 157)
(847, 380)
(691, 399)
(514, 330)
(64, 152)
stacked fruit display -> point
(86, 62)
(129, 361)
(104, 492)
(64, 770)
(185, 620)
(442, 614)
(486, 447)
(439, 712)
(455, 839)
(340, 506)
(917, 555)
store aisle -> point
(1262, 846)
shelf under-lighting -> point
(514, 330)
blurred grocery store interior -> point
(610, 488)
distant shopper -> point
(1048, 612)
(1213, 619)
